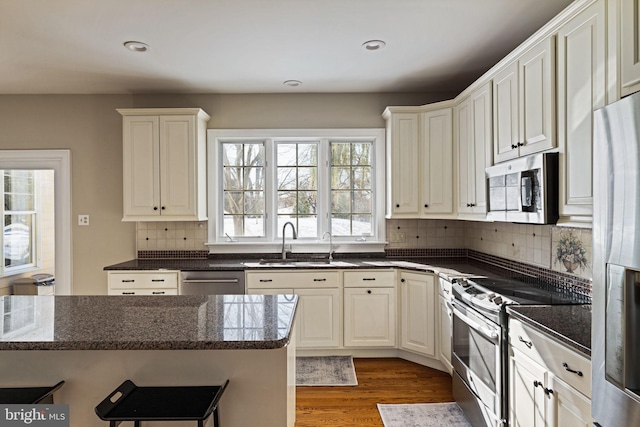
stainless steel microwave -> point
(524, 190)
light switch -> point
(83, 219)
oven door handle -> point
(488, 333)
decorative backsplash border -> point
(562, 281)
(173, 254)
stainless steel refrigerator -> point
(616, 264)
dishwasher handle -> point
(210, 281)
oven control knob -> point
(491, 296)
(497, 300)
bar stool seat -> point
(129, 402)
(28, 395)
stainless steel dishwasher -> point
(211, 282)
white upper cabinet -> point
(473, 136)
(164, 164)
(437, 162)
(419, 162)
(524, 107)
(581, 89)
(402, 164)
(630, 47)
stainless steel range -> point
(479, 343)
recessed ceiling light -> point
(136, 46)
(374, 44)
(292, 83)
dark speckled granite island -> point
(94, 343)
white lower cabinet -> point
(137, 282)
(317, 323)
(418, 313)
(369, 317)
(549, 384)
(369, 308)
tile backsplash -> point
(530, 244)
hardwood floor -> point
(379, 381)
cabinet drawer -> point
(369, 279)
(556, 357)
(144, 292)
(143, 280)
(293, 279)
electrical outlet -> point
(397, 237)
(83, 219)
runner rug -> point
(325, 371)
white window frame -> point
(36, 241)
(60, 162)
(218, 243)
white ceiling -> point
(252, 46)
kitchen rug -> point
(325, 371)
(422, 415)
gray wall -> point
(90, 127)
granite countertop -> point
(446, 268)
(189, 322)
(570, 324)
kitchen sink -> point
(298, 262)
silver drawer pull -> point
(566, 368)
(368, 279)
(525, 342)
(157, 280)
(128, 280)
(266, 280)
(158, 292)
(319, 280)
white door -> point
(141, 175)
(568, 407)
(446, 315)
(481, 102)
(506, 131)
(581, 89)
(526, 392)
(418, 313)
(537, 98)
(404, 164)
(466, 156)
(437, 162)
(369, 317)
(318, 318)
(178, 165)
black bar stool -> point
(129, 402)
(28, 395)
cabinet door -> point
(178, 165)
(437, 162)
(318, 318)
(506, 131)
(481, 101)
(474, 138)
(630, 47)
(418, 327)
(568, 407)
(403, 176)
(141, 160)
(369, 317)
(446, 315)
(581, 89)
(537, 98)
(526, 399)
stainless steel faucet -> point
(295, 236)
(330, 244)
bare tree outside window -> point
(243, 182)
(297, 187)
(351, 189)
